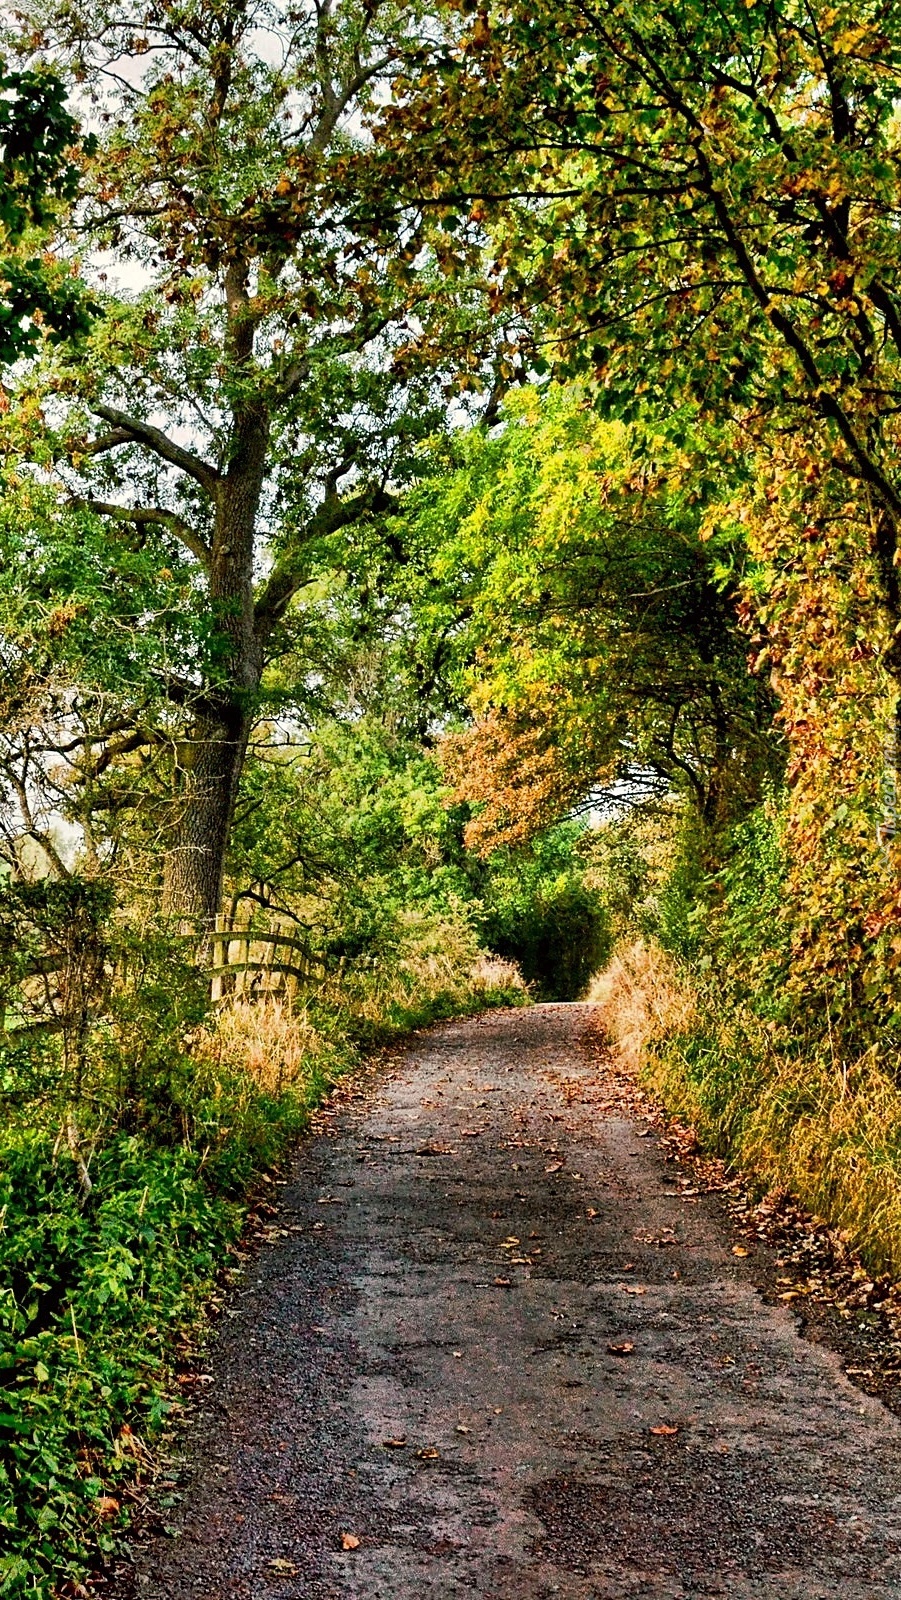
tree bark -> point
(211, 760)
(206, 784)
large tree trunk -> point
(207, 779)
(208, 772)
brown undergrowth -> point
(825, 1131)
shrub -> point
(538, 910)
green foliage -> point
(702, 211)
(351, 828)
(355, 831)
(537, 909)
(36, 131)
(39, 296)
(91, 1297)
(748, 898)
(590, 611)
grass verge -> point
(787, 1111)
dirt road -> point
(494, 1353)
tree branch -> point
(131, 430)
(334, 513)
(151, 516)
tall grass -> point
(791, 1113)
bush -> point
(538, 910)
(88, 1296)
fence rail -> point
(251, 961)
(246, 961)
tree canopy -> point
(256, 389)
(40, 297)
(594, 623)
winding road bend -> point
(492, 1352)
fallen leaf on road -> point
(457, 1354)
(591, 1212)
(279, 1564)
(664, 1431)
(624, 1349)
(555, 1166)
(502, 1283)
(634, 1288)
(349, 1541)
(740, 1250)
(471, 1133)
(428, 1453)
(394, 1444)
(462, 1428)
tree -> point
(597, 637)
(703, 202)
(260, 389)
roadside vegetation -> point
(449, 519)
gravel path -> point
(492, 1352)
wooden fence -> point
(250, 961)
(246, 961)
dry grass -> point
(827, 1131)
(490, 975)
(644, 1000)
(833, 1137)
(275, 1045)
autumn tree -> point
(255, 386)
(703, 202)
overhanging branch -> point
(131, 430)
(151, 516)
